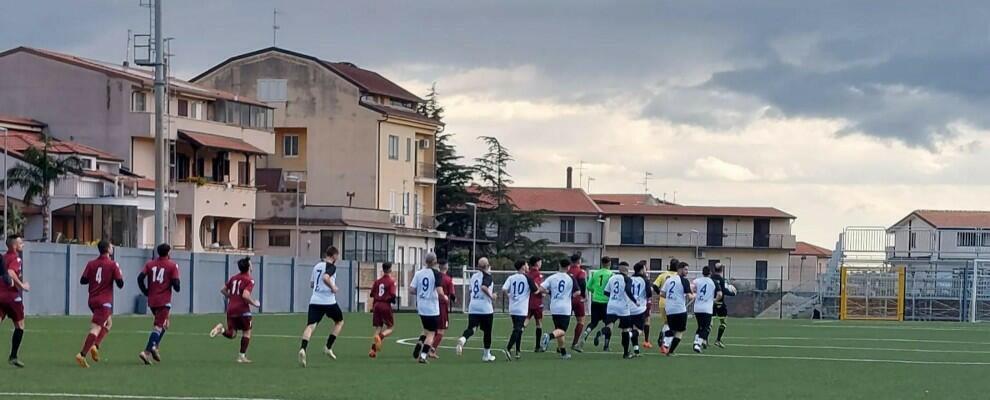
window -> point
(913, 240)
(632, 230)
(967, 239)
(326, 240)
(279, 238)
(246, 235)
(408, 149)
(393, 147)
(87, 163)
(656, 264)
(197, 110)
(183, 108)
(243, 173)
(761, 275)
(348, 245)
(290, 145)
(567, 229)
(361, 246)
(271, 90)
(405, 203)
(138, 101)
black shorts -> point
(598, 311)
(610, 319)
(626, 322)
(677, 322)
(318, 311)
(518, 322)
(561, 322)
(639, 320)
(721, 310)
(483, 321)
(430, 323)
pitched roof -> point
(219, 142)
(556, 200)
(18, 141)
(955, 218)
(699, 211)
(627, 198)
(13, 119)
(808, 249)
(142, 75)
(392, 111)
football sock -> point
(426, 351)
(721, 330)
(635, 339)
(673, 344)
(577, 333)
(436, 340)
(539, 336)
(304, 345)
(419, 346)
(90, 340)
(625, 342)
(161, 336)
(15, 342)
(152, 339)
(519, 340)
(608, 335)
(488, 339)
(330, 339)
(99, 338)
(229, 334)
(245, 341)
(467, 333)
(646, 332)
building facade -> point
(807, 263)
(351, 140)
(934, 238)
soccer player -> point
(426, 286)
(561, 287)
(480, 311)
(721, 311)
(664, 338)
(599, 301)
(383, 295)
(518, 287)
(157, 281)
(677, 292)
(642, 292)
(707, 294)
(323, 303)
(100, 275)
(581, 276)
(536, 299)
(447, 283)
(238, 293)
(620, 301)
(12, 283)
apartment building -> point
(102, 201)
(352, 141)
(949, 238)
(753, 242)
(807, 262)
(216, 139)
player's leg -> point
(313, 317)
(473, 322)
(579, 328)
(419, 343)
(430, 325)
(95, 326)
(515, 340)
(646, 326)
(16, 313)
(722, 312)
(678, 324)
(537, 316)
(245, 340)
(485, 322)
(335, 314)
(94, 352)
(598, 311)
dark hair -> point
(533, 260)
(244, 264)
(331, 252)
(386, 266)
(606, 261)
(623, 264)
(441, 261)
(12, 239)
(682, 264)
(163, 250)
(638, 268)
(706, 270)
(673, 264)
(564, 263)
(719, 268)
(575, 258)
(519, 264)
(104, 246)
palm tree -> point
(36, 176)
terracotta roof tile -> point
(955, 218)
(675, 210)
(19, 141)
(372, 81)
(808, 249)
(557, 200)
(219, 142)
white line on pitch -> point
(787, 346)
(889, 327)
(825, 339)
(121, 396)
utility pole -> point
(160, 100)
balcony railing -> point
(425, 222)
(702, 239)
(397, 219)
(426, 170)
(563, 237)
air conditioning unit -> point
(398, 219)
(424, 143)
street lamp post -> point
(5, 185)
(474, 234)
(697, 246)
(296, 179)
(601, 237)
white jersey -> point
(618, 300)
(706, 289)
(641, 292)
(519, 286)
(425, 282)
(561, 287)
(480, 302)
(676, 293)
(322, 295)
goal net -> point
(871, 293)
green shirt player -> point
(599, 301)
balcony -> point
(426, 172)
(702, 239)
(425, 222)
(397, 219)
(564, 238)
(216, 199)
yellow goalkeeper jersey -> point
(663, 277)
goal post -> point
(979, 289)
(872, 293)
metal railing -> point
(426, 170)
(563, 237)
(702, 239)
(424, 221)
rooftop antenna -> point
(275, 27)
(580, 173)
(646, 181)
(127, 50)
(590, 178)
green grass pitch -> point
(766, 359)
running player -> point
(664, 339)
(536, 299)
(721, 311)
(426, 286)
(620, 301)
(383, 295)
(518, 287)
(708, 294)
(581, 276)
(100, 275)
(12, 283)
(561, 287)
(480, 311)
(599, 301)
(238, 293)
(157, 281)
(323, 303)
(642, 292)
(447, 283)
(677, 292)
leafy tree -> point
(15, 220)
(36, 176)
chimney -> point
(570, 171)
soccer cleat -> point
(697, 348)
(422, 360)
(460, 346)
(155, 355)
(94, 353)
(242, 359)
(145, 357)
(433, 355)
(704, 344)
(565, 356)
(605, 349)
(719, 344)
(372, 354)
(508, 357)
(488, 358)
(598, 336)
(302, 358)
(664, 349)
(544, 343)
(627, 356)
(647, 345)
(577, 349)
(81, 361)
(329, 353)
(17, 363)
(218, 329)
(378, 343)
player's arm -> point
(687, 289)
(662, 291)
(16, 280)
(175, 284)
(486, 287)
(142, 282)
(718, 294)
(224, 291)
(327, 274)
(246, 294)
(533, 287)
(438, 279)
(453, 296)
(583, 286)
(575, 290)
(84, 279)
(118, 277)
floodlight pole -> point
(160, 100)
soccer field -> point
(766, 359)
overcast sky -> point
(839, 112)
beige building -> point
(356, 145)
(753, 243)
(807, 263)
(216, 138)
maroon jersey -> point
(447, 283)
(383, 290)
(535, 298)
(236, 305)
(159, 273)
(579, 275)
(101, 273)
(12, 262)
